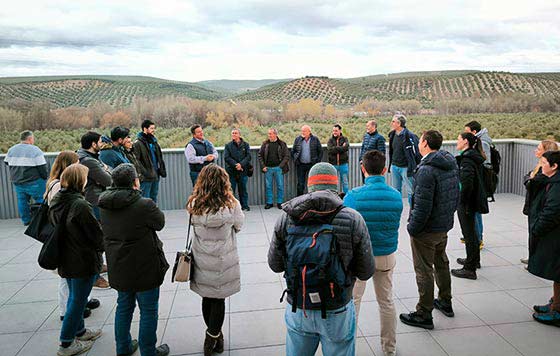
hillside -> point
(425, 87)
(238, 86)
(64, 91)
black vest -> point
(201, 149)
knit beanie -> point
(322, 176)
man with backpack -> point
(322, 246)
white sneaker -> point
(76, 347)
(90, 335)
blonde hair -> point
(74, 177)
(211, 192)
(548, 145)
(63, 160)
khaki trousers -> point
(383, 285)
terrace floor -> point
(493, 313)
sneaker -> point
(444, 307)
(76, 347)
(93, 303)
(90, 335)
(279, 205)
(462, 240)
(210, 343)
(550, 318)
(415, 319)
(133, 347)
(162, 350)
(481, 245)
(525, 261)
(87, 313)
(268, 206)
(463, 273)
(543, 308)
(462, 262)
(101, 283)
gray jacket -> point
(216, 262)
(486, 142)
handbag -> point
(40, 228)
(183, 269)
(50, 252)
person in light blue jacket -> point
(381, 206)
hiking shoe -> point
(93, 303)
(415, 319)
(279, 205)
(76, 347)
(133, 347)
(87, 313)
(444, 307)
(268, 206)
(101, 283)
(550, 318)
(162, 350)
(219, 348)
(543, 308)
(246, 208)
(462, 240)
(462, 262)
(463, 273)
(525, 261)
(90, 335)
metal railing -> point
(517, 160)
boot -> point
(209, 344)
(219, 348)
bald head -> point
(305, 131)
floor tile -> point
(257, 328)
(24, 317)
(477, 341)
(496, 307)
(409, 345)
(531, 338)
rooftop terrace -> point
(493, 313)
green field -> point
(528, 125)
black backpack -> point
(490, 174)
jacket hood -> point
(63, 197)
(117, 198)
(314, 207)
(474, 155)
(83, 153)
(484, 136)
(223, 216)
(440, 159)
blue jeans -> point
(194, 176)
(150, 189)
(25, 192)
(398, 177)
(274, 173)
(343, 173)
(336, 333)
(478, 226)
(147, 338)
(73, 323)
(243, 195)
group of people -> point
(328, 242)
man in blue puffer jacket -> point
(381, 206)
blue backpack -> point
(314, 273)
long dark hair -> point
(474, 142)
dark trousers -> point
(467, 221)
(214, 311)
(302, 170)
(239, 182)
(194, 177)
(428, 252)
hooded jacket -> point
(135, 258)
(435, 194)
(473, 193)
(98, 177)
(486, 142)
(354, 245)
(113, 155)
(82, 242)
(145, 149)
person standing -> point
(372, 140)
(381, 207)
(337, 153)
(434, 201)
(274, 158)
(544, 235)
(28, 173)
(150, 160)
(404, 155)
(135, 259)
(113, 154)
(307, 151)
(473, 200)
(199, 153)
(237, 155)
(80, 257)
(320, 307)
(216, 218)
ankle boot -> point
(219, 348)
(209, 344)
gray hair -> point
(236, 129)
(25, 135)
(124, 175)
(402, 119)
(273, 130)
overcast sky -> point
(202, 40)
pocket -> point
(293, 320)
(341, 323)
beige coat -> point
(216, 262)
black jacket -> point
(473, 193)
(98, 177)
(82, 243)
(337, 150)
(315, 148)
(142, 152)
(135, 258)
(411, 151)
(349, 228)
(283, 153)
(544, 227)
(435, 194)
(234, 154)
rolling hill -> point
(238, 86)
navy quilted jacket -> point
(374, 141)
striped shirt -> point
(27, 163)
